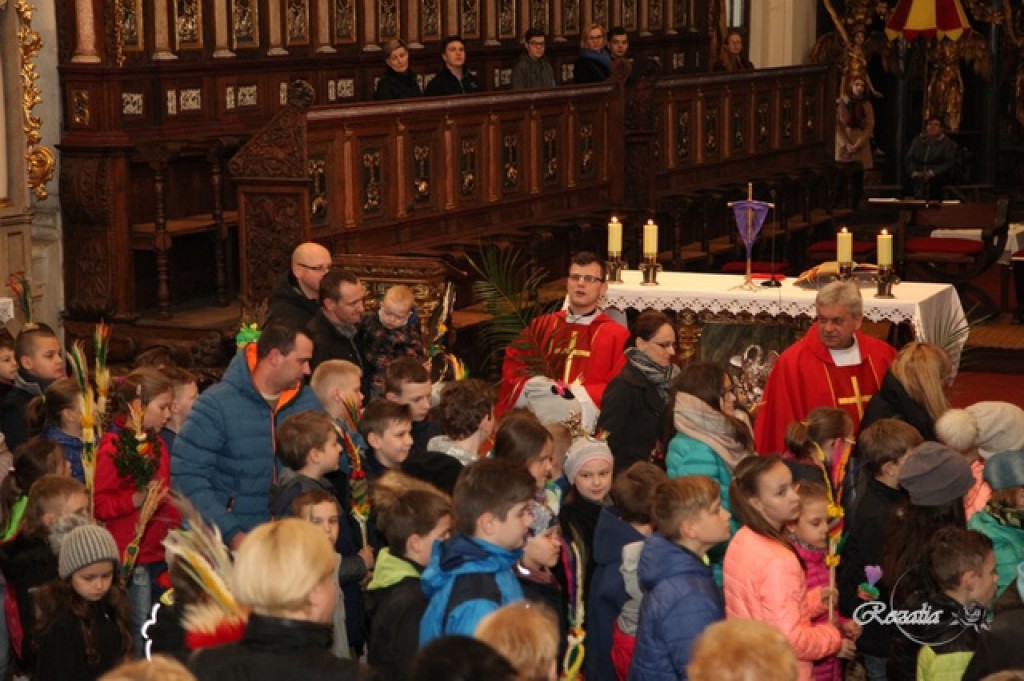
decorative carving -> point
(470, 19)
(421, 173)
(85, 195)
(681, 13)
(550, 154)
(371, 181)
(230, 99)
(132, 103)
(629, 15)
(539, 14)
(468, 164)
(245, 23)
(570, 17)
(278, 150)
(188, 24)
(172, 103)
(274, 227)
(344, 21)
(296, 22)
(510, 160)
(190, 99)
(507, 19)
(389, 20)
(80, 112)
(129, 21)
(738, 137)
(683, 135)
(41, 160)
(587, 150)
(318, 179)
(711, 131)
(248, 95)
(431, 13)
(655, 14)
(786, 127)
(762, 126)
(810, 116)
(599, 11)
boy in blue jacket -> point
(471, 574)
(680, 595)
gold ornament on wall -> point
(41, 160)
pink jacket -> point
(828, 668)
(763, 581)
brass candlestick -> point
(885, 277)
(845, 271)
(649, 269)
(614, 264)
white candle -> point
(615, 236)
(844, 246)
(885, 249)
(650, 240)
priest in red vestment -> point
(833, 365)
(580, 347)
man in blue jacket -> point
(223, 459)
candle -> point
(614, 236)
(844, 246)
(885, 249)
(650, 240)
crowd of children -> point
(418, 541)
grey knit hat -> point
(84, 546)
(583, 451)
(935, 475)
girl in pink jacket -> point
(764, 577)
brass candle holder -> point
(649, 269)
(614, 265)
(845, 271)
(885, 278)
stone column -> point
(85, 25)
(161, 38)
(276, 36)
(221, 30)
(412, 25)
(370, 10)
(323, 27)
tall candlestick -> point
(885, 249)
(844, 246)
(650, 240)
(614, 236)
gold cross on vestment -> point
(857, 399)
(571, 352)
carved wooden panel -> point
(570, 16)
(296, 22)
(272, 224)
(345, 21)
(684, 133)
(86, 194)
(430, 19)
(188, 24)
(469, 19)
(738, 124)
(130, 25)
(507, 19)
(389, 20)
(711, 128)
(629, 14)
(655, 14)
(245, 24)
(512, 181)
(550, 161)
(788, 117)
(540, 14)
(763, 121)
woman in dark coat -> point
(633, 406)
(594, 64)
(912, 390)
(399, 82)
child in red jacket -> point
(131, 461)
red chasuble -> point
(806, 377)
(590, 353)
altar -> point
(932, 311)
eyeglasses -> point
(585, 278)
(315, 268)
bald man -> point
(296, 296)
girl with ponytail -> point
(57, 416)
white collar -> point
(847, 357)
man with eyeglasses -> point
(833, 365)
(594, 64)
(533, 71)
(580, 349)
(296, 296)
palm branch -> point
(507, 288)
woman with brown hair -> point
(913, 389)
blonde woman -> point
(284, 572)
(526, 634)
(594, 64)
(913, 389)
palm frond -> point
(507, 288)
(950, 332)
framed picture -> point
(245, 24)
(188, 25)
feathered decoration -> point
(91, 425)
(155, 493)
(247, 333)
(358, 484)
(199, 552)
(22, 290)
(439, 321)
(100, 342)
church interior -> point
(160, 160)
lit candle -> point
(844, 245)
(614, 236)
(650, 240)
(885, 249)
